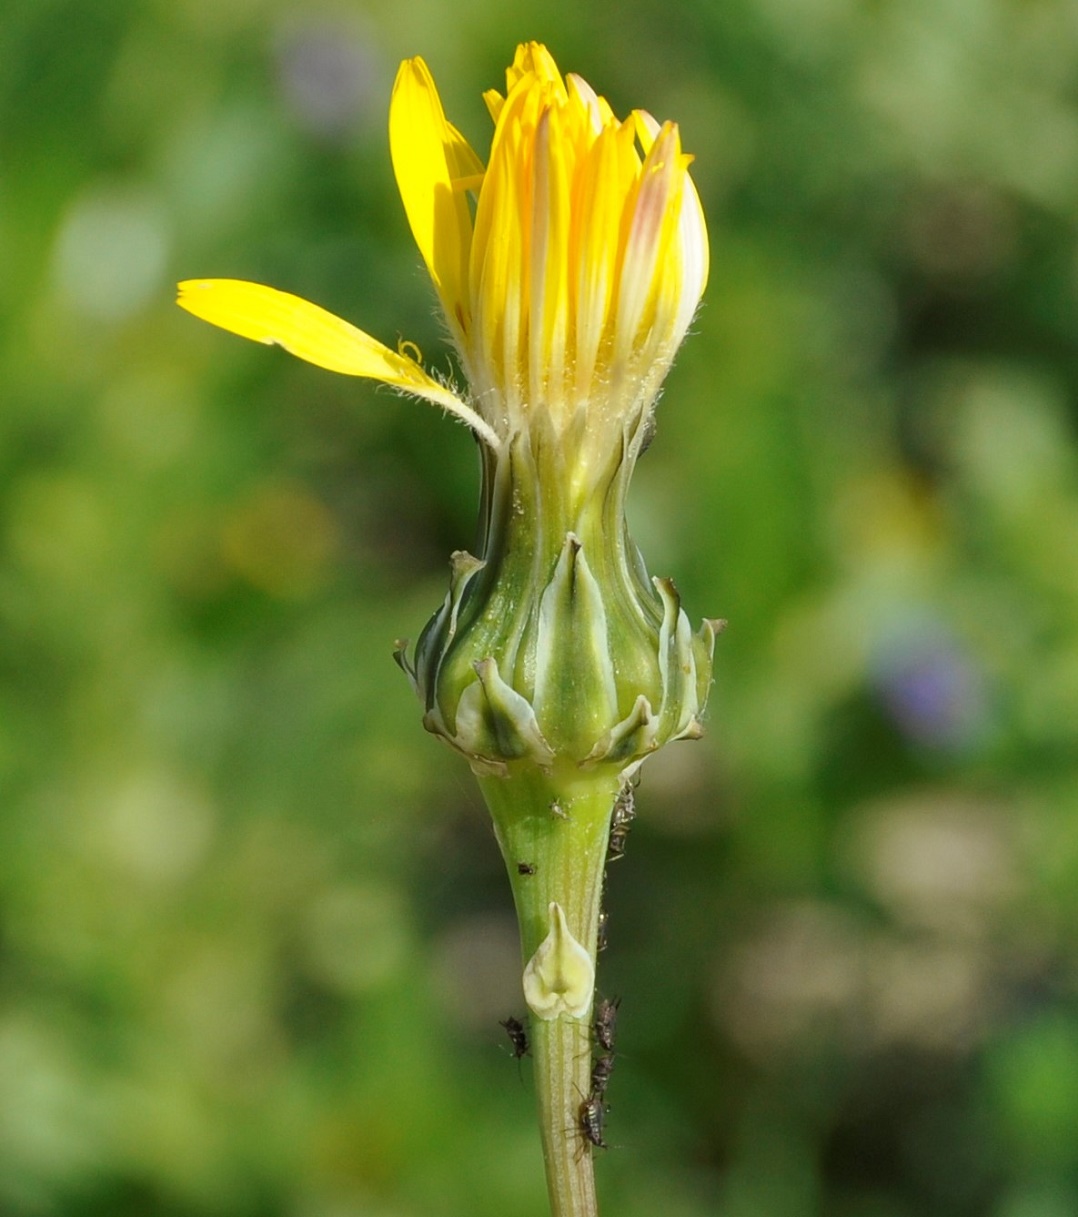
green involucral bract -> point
(554, 644)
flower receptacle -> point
(554, 645)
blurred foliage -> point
(254, 936)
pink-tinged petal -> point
(692, 241)
(654, 216)
(694, 256)
(598, 108)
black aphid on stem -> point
(606, 1022)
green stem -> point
(553, 829)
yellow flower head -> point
(568, 269)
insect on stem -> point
(518, 1037)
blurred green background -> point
(255, 938)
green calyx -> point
(554, 644)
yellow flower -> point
(568, 269)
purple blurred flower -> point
(930, 686)
(331, 77)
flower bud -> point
(567, 284)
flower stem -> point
(553, 829)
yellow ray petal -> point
(533, 57)
(494, 102)
(429, 155)
(606, 179)
(464, 163)
(265, 314)
(647, 129)
(499, 272)
(548, 306)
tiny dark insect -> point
(592, 1113)
(517, 1035)
(606, 1021)
(625, 804)
(620, 822)
(615, 847)
(600, 1075)
(525, 868)
(604, 921)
